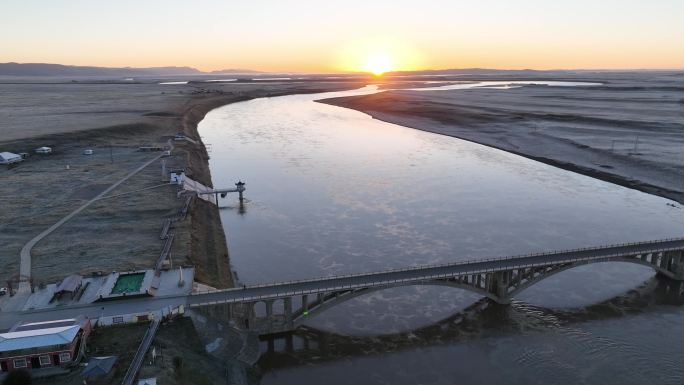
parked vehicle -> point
(43, 150)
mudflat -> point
(629, 130)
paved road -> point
(25, 254)
(403, 276)
(94, 310)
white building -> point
(9, 158)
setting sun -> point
(378, 64)
(378, 55)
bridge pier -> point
(675, 260)
(269, 313)
(250, 315)
(499, 287)
(664, 261)
(305, 303)
(288, 313)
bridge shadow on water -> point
(308, 345)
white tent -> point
(8, 158)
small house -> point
(69, 286)
(99, 369)
(43, 150)
(9, 158)
(179, 136)
(43, 344)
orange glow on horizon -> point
(378, 56)
(373, 37)
(378, 64)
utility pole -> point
(111, 153)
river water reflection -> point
(332, 191)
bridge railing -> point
(384, 282)
(460, 263)
(479, 260)
(256, 298)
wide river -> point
(332, 191)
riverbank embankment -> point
(209, 247)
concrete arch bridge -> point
(498, 279)
(309, 344)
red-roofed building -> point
(43, 344)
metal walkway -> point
(133, 369)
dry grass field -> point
(121, 231)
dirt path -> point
(25, 254)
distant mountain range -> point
(44, 69)
(469, 71)
(235, 71)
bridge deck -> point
(423, 273)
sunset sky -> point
(323, 36)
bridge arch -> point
(259, 308)
(266, 307)
(333, 300)
(561, 268)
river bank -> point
(207, 232)
(628, 132)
